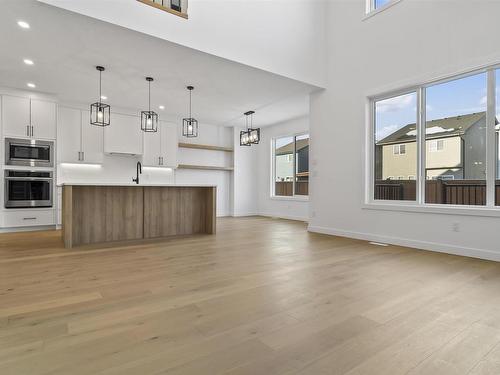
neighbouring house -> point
(284, 160)
(286, 171)
(455, 149)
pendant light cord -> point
(190, 114)
(149, 104)
(100, 80)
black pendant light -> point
(190, 124)
(100, 112)
(249, 136)
(149, 118)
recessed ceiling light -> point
(23, 24)
(28, 62)
(162, 107)
(32, 85)
(104, 97)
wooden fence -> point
(459, 192)
(285, 188)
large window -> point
(431, 144)
(291, 165)
(373, 5)
(395, 148)
(456, 119)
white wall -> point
(285, 207)
(285, 37)
(410, 42)
(216, 136)
(245, 178)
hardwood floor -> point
(262, 296)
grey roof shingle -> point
(444, 127)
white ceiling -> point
(66, 47)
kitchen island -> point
(99, 213)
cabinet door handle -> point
(27, 130)
(29, 218)
(162, 160)
(83, 155)
(32, 130)
(79, 156)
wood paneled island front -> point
(103, 213)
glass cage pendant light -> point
(99, 111)
(149, 118)
(190, 124)
(250, 135)
(253, 133)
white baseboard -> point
(415, 244)
(245, 214)
(286, 217)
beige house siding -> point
(449, 157)
(395, 166)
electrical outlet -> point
(455, 227)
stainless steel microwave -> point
(29, 152)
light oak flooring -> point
(261, 297)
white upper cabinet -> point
(123, 135)
(69, 140)
(22, 117)
(77, 140)
(169, 145)
(152, 149)
(92, 140)
(160, 149)
(43, 119)
(16, 116)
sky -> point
(464, 96)
(379, 3)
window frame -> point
(371, 10)
(436, 142)
(399, 146)
(273, 168)
(419, 204)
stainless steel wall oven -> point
(26, 189)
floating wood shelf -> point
(204, 167)
(205, 147)
(164, 8)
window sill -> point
(380, 10)
(297, 198)
(435, 209)
(164, 8)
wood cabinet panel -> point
(172, 211)
(96, 214)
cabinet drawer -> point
(28, 218)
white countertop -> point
(130, 184)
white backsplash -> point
(116, 169)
